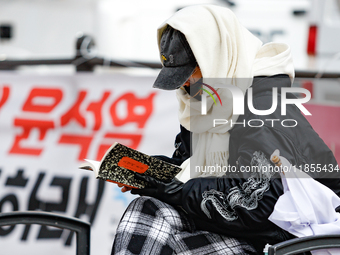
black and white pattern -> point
(150, 226)
(246, 196)
(120, 162)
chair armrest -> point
(82, 228)
(303, 244)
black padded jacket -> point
(239, 205)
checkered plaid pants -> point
(152, 227)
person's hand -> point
(170, 193)
(124, 188)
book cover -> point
(120, 161)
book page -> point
(91, 165)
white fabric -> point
(307, 207)
(223, 48)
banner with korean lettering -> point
(49, 124)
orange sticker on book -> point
(133, 165)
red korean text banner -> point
(49, 124)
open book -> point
(119, 163)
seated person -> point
(214, 212)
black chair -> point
(81, 228)
(304, 244)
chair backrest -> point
(304, 244)
(81, 228)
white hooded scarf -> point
(223, 48)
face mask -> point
(194, 90)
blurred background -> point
(47, 29)
(76, 75)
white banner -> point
(49, 124)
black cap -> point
(178, 60)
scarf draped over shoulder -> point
(224, 50)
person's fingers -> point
(136, 191)
(141, 177)
(152, 181)
(143, 192)
(120, 185)
(125, 189)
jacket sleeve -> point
(182, 148)
(240, 203)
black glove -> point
(170, 193)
